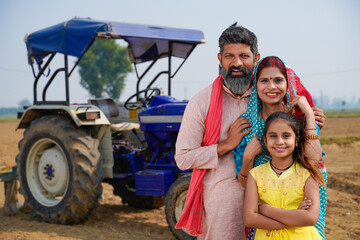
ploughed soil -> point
(114, 220)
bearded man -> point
(222, 193)
(215, 112)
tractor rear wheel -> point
(59, 168)
(174, 204)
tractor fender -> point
(38, 111)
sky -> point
(319, 39)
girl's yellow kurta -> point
(286, 192)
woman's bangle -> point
(242, 176)
(312, 137)
(308, 129)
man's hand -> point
(319, 117)
(235, 136)
(235, 133)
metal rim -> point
(47, 172)
(179, 206)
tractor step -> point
(121, 175)
(152, 182)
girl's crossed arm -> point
(297, 217)
(252, 217)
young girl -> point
(276, 88)
(281, 184)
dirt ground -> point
(113, 220)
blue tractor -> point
(69, 149)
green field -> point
(8, 119)
(342, 113)
(341, 141)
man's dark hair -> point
(238, 34)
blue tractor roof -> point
(145, 43)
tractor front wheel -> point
(59, 168)
(174, 204)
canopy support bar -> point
(77, 62)
(144, 73)
(169, 68)
(156, 77)
(50, 81)
(67, 79)
(39, 75)
(65, 69)
(182, 62)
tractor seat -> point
(110, 109)
(124, 126)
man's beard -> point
(237, 84)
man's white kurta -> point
(223, 194)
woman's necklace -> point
(261, 112)
(280, 169)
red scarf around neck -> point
(191, 216)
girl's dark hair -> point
(298, 155)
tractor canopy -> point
(145, 43)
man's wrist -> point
(223, 148)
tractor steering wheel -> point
(143, 102)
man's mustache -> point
(241, 69)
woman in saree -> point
(276, 88)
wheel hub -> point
(47, 172)
(53, 161)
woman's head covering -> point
(295, 87)
(294, 84)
